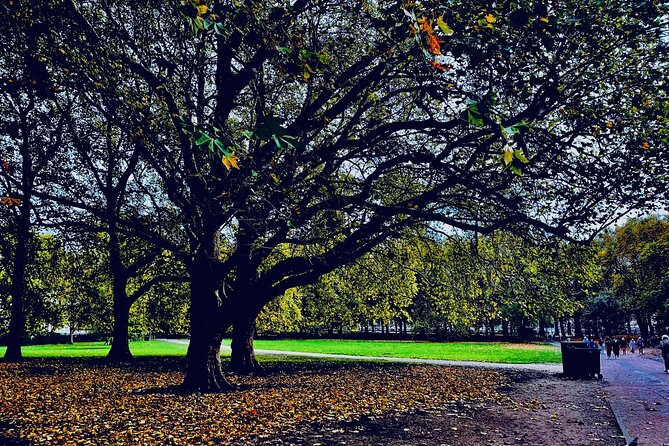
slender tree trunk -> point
(505, 329)
(563, 332)
(578, 329)
(556, 326)
(643, 325)
(120, 349)
(243, 359)
(17, 321)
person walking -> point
(616, 348)
(609, 347)
(664, 348)
(632, 345)
(639, 344)
(623, 345)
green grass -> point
(99, 350)
(462, 351)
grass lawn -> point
(98, 349)
(460, 351)
(464, 351)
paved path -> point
(554, 368)
(638, 391)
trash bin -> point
(580, 361)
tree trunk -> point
(17, 321)
(578, 329)
(643, 326)
(120, 348)
(203, 359)
(243, 359)
(505, 329)
(556, 327)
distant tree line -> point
(454, 286)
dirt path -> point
(551, 368)
(638, 391)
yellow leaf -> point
(507, 155)
(490, 18)
(544, 19)
(202, 9)
(230, 161)
(444, 27)
(274, 177)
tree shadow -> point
(8, 440)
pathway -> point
(638, 391)
(554, 368)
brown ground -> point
(302, 403)
(542, 410)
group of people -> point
(614, 346)
(617, 345)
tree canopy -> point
(287, 139)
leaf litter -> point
(86, 402)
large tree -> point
(329, 126)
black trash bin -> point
(580, 361)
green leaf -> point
(520, 157)
(444, 27)
(276, 141)
(474, 118)
(202, 139)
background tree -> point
(634, 259)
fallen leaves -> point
(79, 402)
